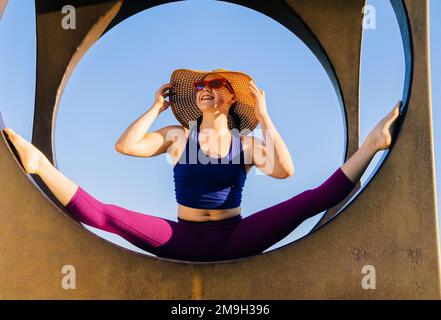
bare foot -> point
(381, 135)
(31, 158)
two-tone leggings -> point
(231, 238)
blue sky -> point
(116, 80)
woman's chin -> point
(206, 106)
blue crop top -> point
(209, 183)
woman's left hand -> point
(259, 94)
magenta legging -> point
(231, 238)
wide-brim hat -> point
(183, 95)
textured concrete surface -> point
(395, 231)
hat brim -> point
(183, 97)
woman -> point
(212, 107)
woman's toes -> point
(390, 125)
(396, 110)
(30, 157)
(14, 137)
(390, 117)
(10, 133)
(394, 114)
(381, 135)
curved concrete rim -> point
(393, 225)
(298, 27)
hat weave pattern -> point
(184, 107)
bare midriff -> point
(201, 215)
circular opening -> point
(115, 82)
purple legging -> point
(213, 240)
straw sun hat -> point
(183, 95)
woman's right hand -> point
(160, 96)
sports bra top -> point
(209, 183)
